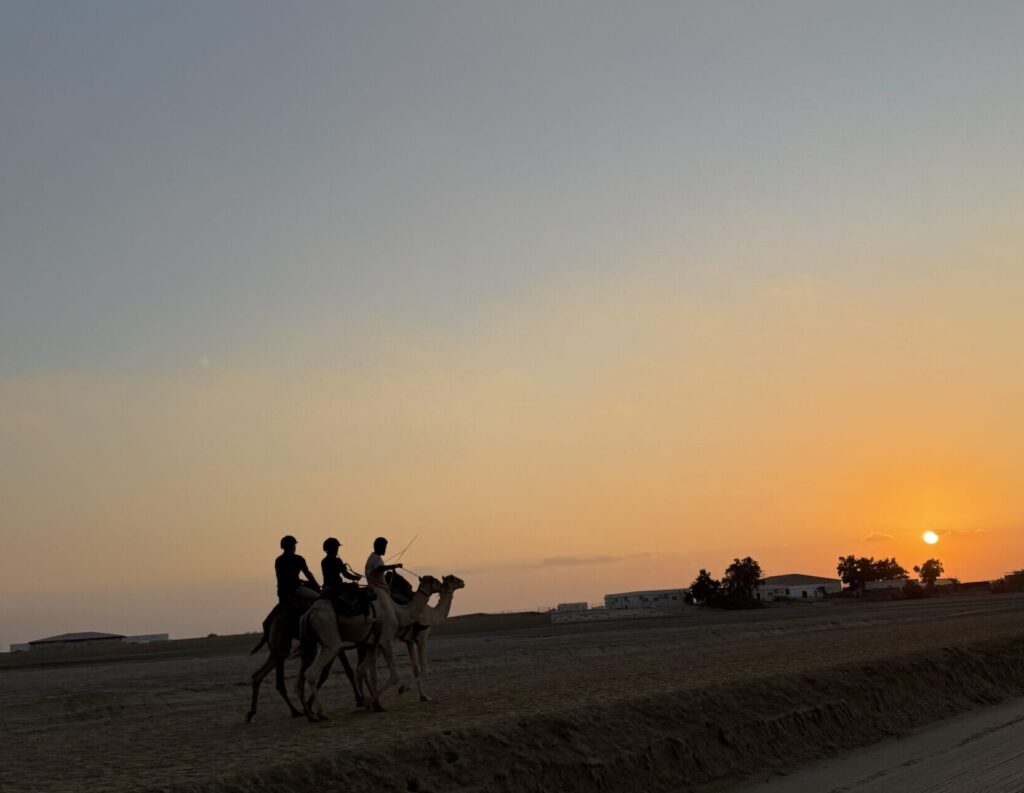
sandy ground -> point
(979, 752)
(654, 704)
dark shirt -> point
(335, 572)
(332, 568)
(288, 566)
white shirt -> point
(374, 574)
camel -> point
(322, 626)
(415, 636)
(278, 635)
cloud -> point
(576, 561)
(551, 561)
(876, 536)
(961, 532)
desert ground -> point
(692, 702)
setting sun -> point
(931, 537)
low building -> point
(796, 586)
(649, 600)
(147, 638)
(85, 639)
(21, 648)
(563, 607)
(595, 614)
(897, 583)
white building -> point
(796, 586)
(650, 600)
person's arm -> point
(350, 574)
(386, 567)
(309, 576)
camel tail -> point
(266, 630)
(307, 642)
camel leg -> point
(417, 672)
(366, 676)
(421, 647)
(351, 678)
(281, 687)
(257, 679)
(322, 661)
(393, 679)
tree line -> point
(737, 587)
(856, 572)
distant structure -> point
(663, 600)
(87, 639)
(147, 638)
(796, 586)
(625, 605)
(872, 586)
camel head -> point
(429, 585)
(452, 583)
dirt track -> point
(668, 702)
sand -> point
(656, 705)
(976, 752)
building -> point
(874, 586)
(147, 638)
(659, 600)
(595, 614)
(796, 586)
(86, 639)
(563, 607)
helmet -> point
(288, 540)
(331, 542)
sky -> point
(581, 296)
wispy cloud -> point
(575, 561)
(551, 561)
(961, 532)
(876, 536)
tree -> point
(856, 571)
(929, 572)
(888, 570)
(704, 588)
(741, 578)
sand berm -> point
(675, 739)
(688, 703)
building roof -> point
(77, 637)
(796, 579)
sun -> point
(931, 537)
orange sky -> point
(584, 307)
(603, 436)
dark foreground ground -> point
(657, 705)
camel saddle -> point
(350, 600)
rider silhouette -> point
(334, 569)
(290, 589)
(375, 567)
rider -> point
(291, 591)
(334, 569)
(375, 567)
